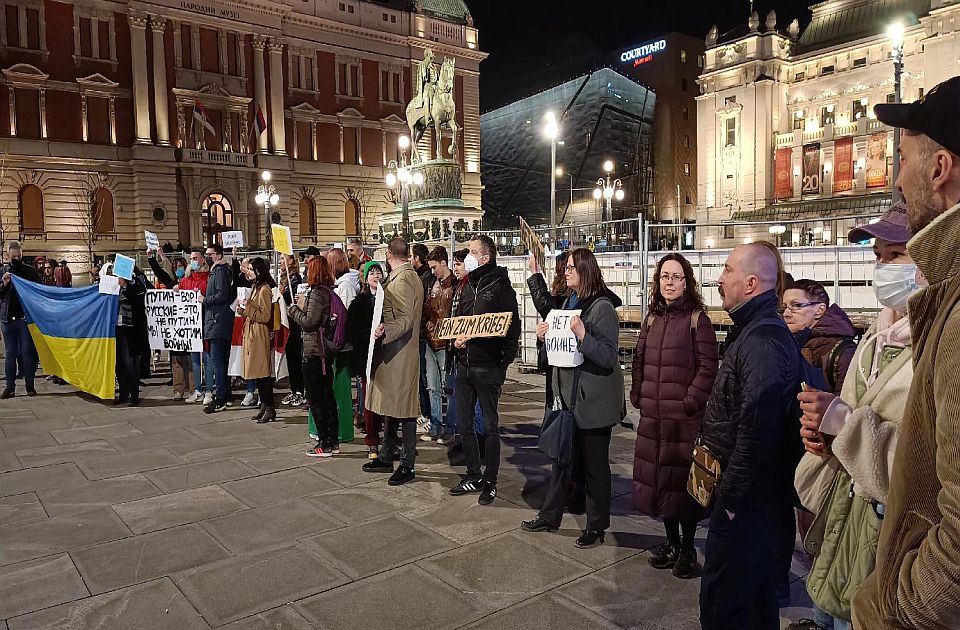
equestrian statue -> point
(433, 105)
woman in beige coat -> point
(394, 390)
(258, 311)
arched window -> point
(31, 208)
(351, 217)
(308, 217)
(217, 216)
(103, 211)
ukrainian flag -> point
(75, 331)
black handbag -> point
(556, 434)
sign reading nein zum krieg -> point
(486, 325)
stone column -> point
(276, 98)
(161, 111)
(141, 90)
(260, 89)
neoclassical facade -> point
(785, 119)
(119, 117)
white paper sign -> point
(109, 285)
(123, 267)
(232, 239)
(243, 293)
(377, 319)
(152, 241)
(302, 288)
(174, 320)
(561, 344)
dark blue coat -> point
(217, 314)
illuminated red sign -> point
(642, 60)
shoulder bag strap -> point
(576, 389)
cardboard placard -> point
(282, 241)
(377, 320)
(152, 241)
(486, 325)
(561, 344)
(109, 285)
(532, 243)
(123, 267)
(174, 320)
(232, 239)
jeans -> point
(408, 426)
(318, 380)
(828, 622)
(128, 363)
(436, 362)
(18, 346)
(251, 385)
(452, 406)
(483, 385)
(219, 357)
(202, 378)
(591, 467)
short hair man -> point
(391, 392)
(355, 248)
(436, 307)
(916, 582)
(482, 365)
(748, 426)
(20, 355)
(218, 323)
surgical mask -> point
(894, 284)
(194, 265)
(179, 272)
(470, 262)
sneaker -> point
(805, 624)
(31, 393)
(249, 400)
(207, 399)
(335, 449)
(8, 393)
(300, 401)
(377, 465)
(665, 556)
(288, 399)
(466, 486)
(401, 476)
(423, 425)
(488, 492)
(686, 566)
(446, 439)
(429, 437)
(178, 396)
(195, 398)
(319, 451)
(216, 405)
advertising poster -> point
(810, 184)
(784, 182)
(843, 165)
(877, 160)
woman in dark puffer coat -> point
(673, 370)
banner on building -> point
(877, 160)
(563, 349)
(783, 187)
(486, 325)
(174, 320)
(810, 184)
(843, 165)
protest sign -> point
(232, 239)
(302, 288)
(377, 319)
(532, 243)
(123, 267)
(560, 342)
(282, 241)
(152, 241)
(109, 285)
(486, 325)
(243, 293)
(174, 320)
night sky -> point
(551, 39)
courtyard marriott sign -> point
(643, 53)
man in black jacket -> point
(482, 365)
(218, 323)
(18, 346)
(748, 426)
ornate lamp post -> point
(267, 197)
(895, 33)
(399, 178)
(608, 189)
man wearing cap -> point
(916, 583)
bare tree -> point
(4, 168)
(366, 193)
(88, 214)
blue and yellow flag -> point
(75, 331)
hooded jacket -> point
(347, 287)
(9, 302)
(217, 314)
(488, 290)
(436, 306)
(830, 345)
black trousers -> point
(323, 406)
(294, 351)
(265, 389)
(738, 590)
(128, 363)
(481, 384)
(408, 427)
(591, 468)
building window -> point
(700, 61)
(349, 79)
(95, 38)
(859, 63)
(391, 86)
(891, 97)
(826, 70)
(798, 120)
(683, 84)
(729, 231)
(308, 217)
(217, 216)
(686, 141)
(919, 94)
(730, 100)
(686, 168)
(31, 209)
(103, 220)
(342, 6)
(351, 217)
(859, 108)
(186, 46)
(683, 56)
(386, 18)
(688, 199)
(800, 76)
(302, 71)
(826, 115)
(730, 132)
(23, 26)
(685, 113)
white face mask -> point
(470, 262)
(894, 284)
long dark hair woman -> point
(545, 300)
(674, 366)
(597, 403)
(258, 311)
(311, 312)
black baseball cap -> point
(311, 251)
(935, 115)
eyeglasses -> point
(796, 307)
(569, 268)
(677, 277)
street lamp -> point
(608, 189)
(551, 129)
(267, 197)
(777, 231)
(895, 33)
(399, 178)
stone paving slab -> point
(61, 454)
(56, 476)
(280, 486)
(346, 470)
(197, 475)
(102, 432)
(361, 503)
(269, 526)
(25, 441)
(119, 464)
(238, 587)
(145, 557)
(21, 508)
(178, 508)
(277, 459)
(97, 494)
(39, 583)
(283, 618)
(9, 462)
(156, 605)
(550, 611)
(218, 448)
(56, 534)
(158, 439)
(377, 546)
(464, 520)
(407, 598)
(37, 425)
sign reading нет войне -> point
(486, 325)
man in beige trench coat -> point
(394, 389)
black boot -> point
(269, 415)
(589, 539)
(686, 566)
(263, 410)
(665, 556)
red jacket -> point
(196, 281)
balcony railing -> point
(850, 129)
(219, 158)
(785, 139)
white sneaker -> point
(299, 400)
(249, 400)
(195, 398)
(207, 398)
(289, 398)
(423, 425)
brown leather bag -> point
(704, 475)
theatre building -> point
(120, 117)
(785, 120)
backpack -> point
(333, 336)
(832, 366)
